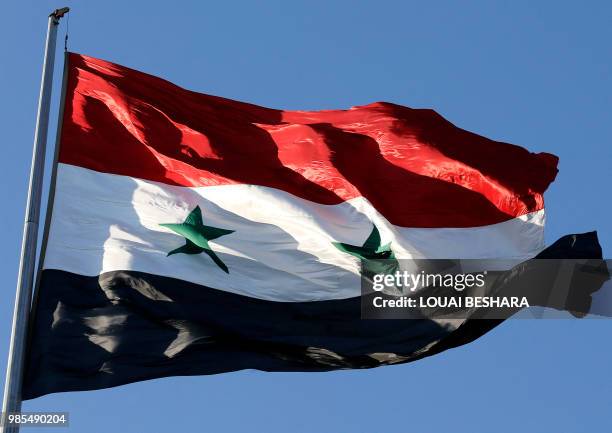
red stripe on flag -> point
(415, 167)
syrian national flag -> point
(191, 234)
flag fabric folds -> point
(192, 234)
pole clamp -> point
(59, 13)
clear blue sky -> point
(538, 74)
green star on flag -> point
(197, 235)
(375, 257)
(370, 250)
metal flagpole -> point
(14, 371)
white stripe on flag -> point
(281, 248)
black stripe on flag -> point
(125, 326)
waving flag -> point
(192, 234)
